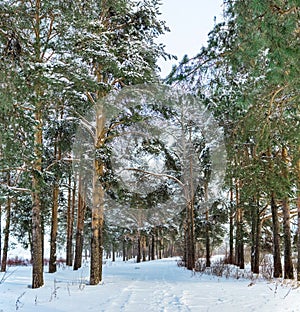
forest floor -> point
(157, 286)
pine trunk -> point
(255, 238)
(298, 233)
(79, 226)
(231, 229)
(70, 221)
(124, 249)
(138, 255)
(6, 235)
(239, 231)
(144, 248)
(0, 231)
(207, 226)
(157, 244)
(113, 252)
(207, 245)
(54, 227)
(55, 199)
(298, 210)
(253, 234)
(37, 245)
(257, 243)
(152, 247)
(37, 239)
(288, 264)
(190, 238)
(98, 203)
(276, 240)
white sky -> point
(190, 21)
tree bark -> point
(190, 237)
(70, 220)
(144, 248)
(0, 231)
(298, 210)
(98, 202)
(113, 248)
(231, 229)
(124, 249)
(152, 247)
(255, 237)
(37, 239)
(276, 239)
(6, 234)
(288, 264)
(55, 199)
(207, 226)
(138, 255)
(80, 226)
(54, 228)
(257, 242)
(239, 231)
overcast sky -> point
(190, 21)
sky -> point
(190, 21)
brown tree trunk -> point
(113, 249)
(276, 240)
(257, 243)
(207, 245)
(255, 237)
(138, 255)
(70, 220)
(55, 199)
(190, 237)
(6, 234)
(37, 239)
(98, 202)
(152, 247)
(239, 231)
(298, 234)
(207, 227)
(298, 210)
(37, 246)
(0, 231)
(54, 228)
(144, 248)
(288, 264)
(80, 226)
(124, 254)
(158, 244)
(231, 229)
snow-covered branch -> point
(159, 175)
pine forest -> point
(102, 158)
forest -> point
(101, 157)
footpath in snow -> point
(157, 286)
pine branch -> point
(159, 175)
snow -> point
(148, 286)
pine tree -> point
(122, 51)
(32, 49)
(249, 77)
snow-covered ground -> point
(149, 286)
